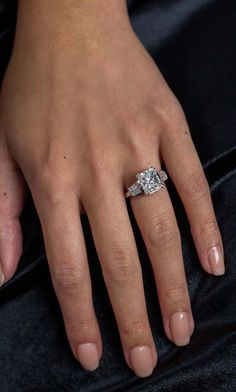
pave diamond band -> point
(148, 181)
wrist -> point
(50, 24)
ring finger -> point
(157, 222)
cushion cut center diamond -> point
(149, 180)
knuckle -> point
(197, 185)
(53, 176)
(209, 231)
(176, 295)
(176, 118)
(8, 228)
(55, 186)
(135, 144)
(82, 327)
(97, 157)
(97, 164)
(67, 278)
(100, 168)
(140, 124)
(169, 113)
(136, 330)
(159, 112)
(163, 233)
(120, 267)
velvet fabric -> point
(193, 43)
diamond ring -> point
(148, 181)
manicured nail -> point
(192, 325)
(180, 328)
(88, 356)
(216, 260)
(2, 278)
(141, 361)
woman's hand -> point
(83, 109)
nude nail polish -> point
(180, 328)
(192, 326)
(88, 355)
(141, 361)
(216, 260)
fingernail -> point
(191, 325)
(88, 356)
(216, 260)
(180, 328)
(141, 360)
(2, 278)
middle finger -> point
(117, 252)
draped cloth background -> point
(193, 43)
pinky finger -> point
(185, 168)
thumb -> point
(12, 197)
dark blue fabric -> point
(193, 43)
